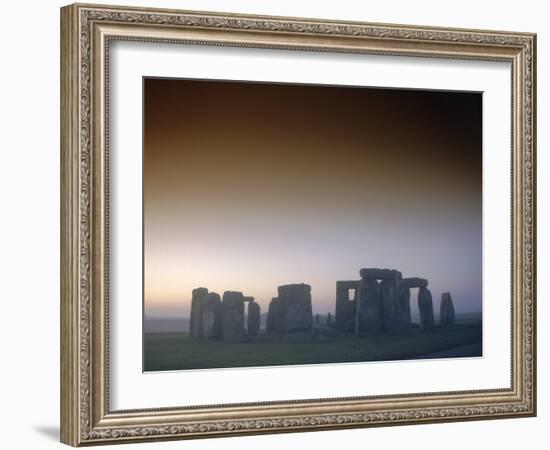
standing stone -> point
(317, 321)
(295, 312)
(405, 307)
(253, 319)
(426, 309)
(447, 310)
(345, 308)
(232, 316)
(369, 308)
(212, 317)
(272, 316)
(329, 320)
(197, 304)
(390, 305)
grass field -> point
(178, 351)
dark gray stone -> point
(248, 299)
(295, 313)
(405, 307)
(253, 319)
(369, 321)
(271, 325)
(233, 316)
(212, 317)
(329, 320)
(380, 274)
(317, 321)
(425, 306)
(197, 304)
(447, 310)
(414, 282)
(390, 306)
(398, 277)
(345, 309)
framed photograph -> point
(275, 224)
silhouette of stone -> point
(425, 307)
(447, 310)
(294, 308)
(405, 307)
(232, 316)
(317, 321)
(197, 304)
(413, 282)
(369, 321)
(271, 325)
(390, 306)
(253, 319)
(212, 317)
(382, 303)
(291, 310)
(379, 274)
(248, 299)
(329, 320)
(345, 307)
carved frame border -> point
(86, 31)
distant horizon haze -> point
(168, 311)
(413, 313)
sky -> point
(248, 186)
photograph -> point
(294, 224)
(291, 220)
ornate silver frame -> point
(86, 31)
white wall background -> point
(29, 224)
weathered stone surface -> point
(390, 306)
(253, 319)
(446, 310)
(414, 282)
(345, 309)
(197, 304)
(405, 307)
(369, 321)
(398, 277)
(233, 316)
(380, 274)
(295, 313)
(425, 307)
(212, 316)
(271, 324)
